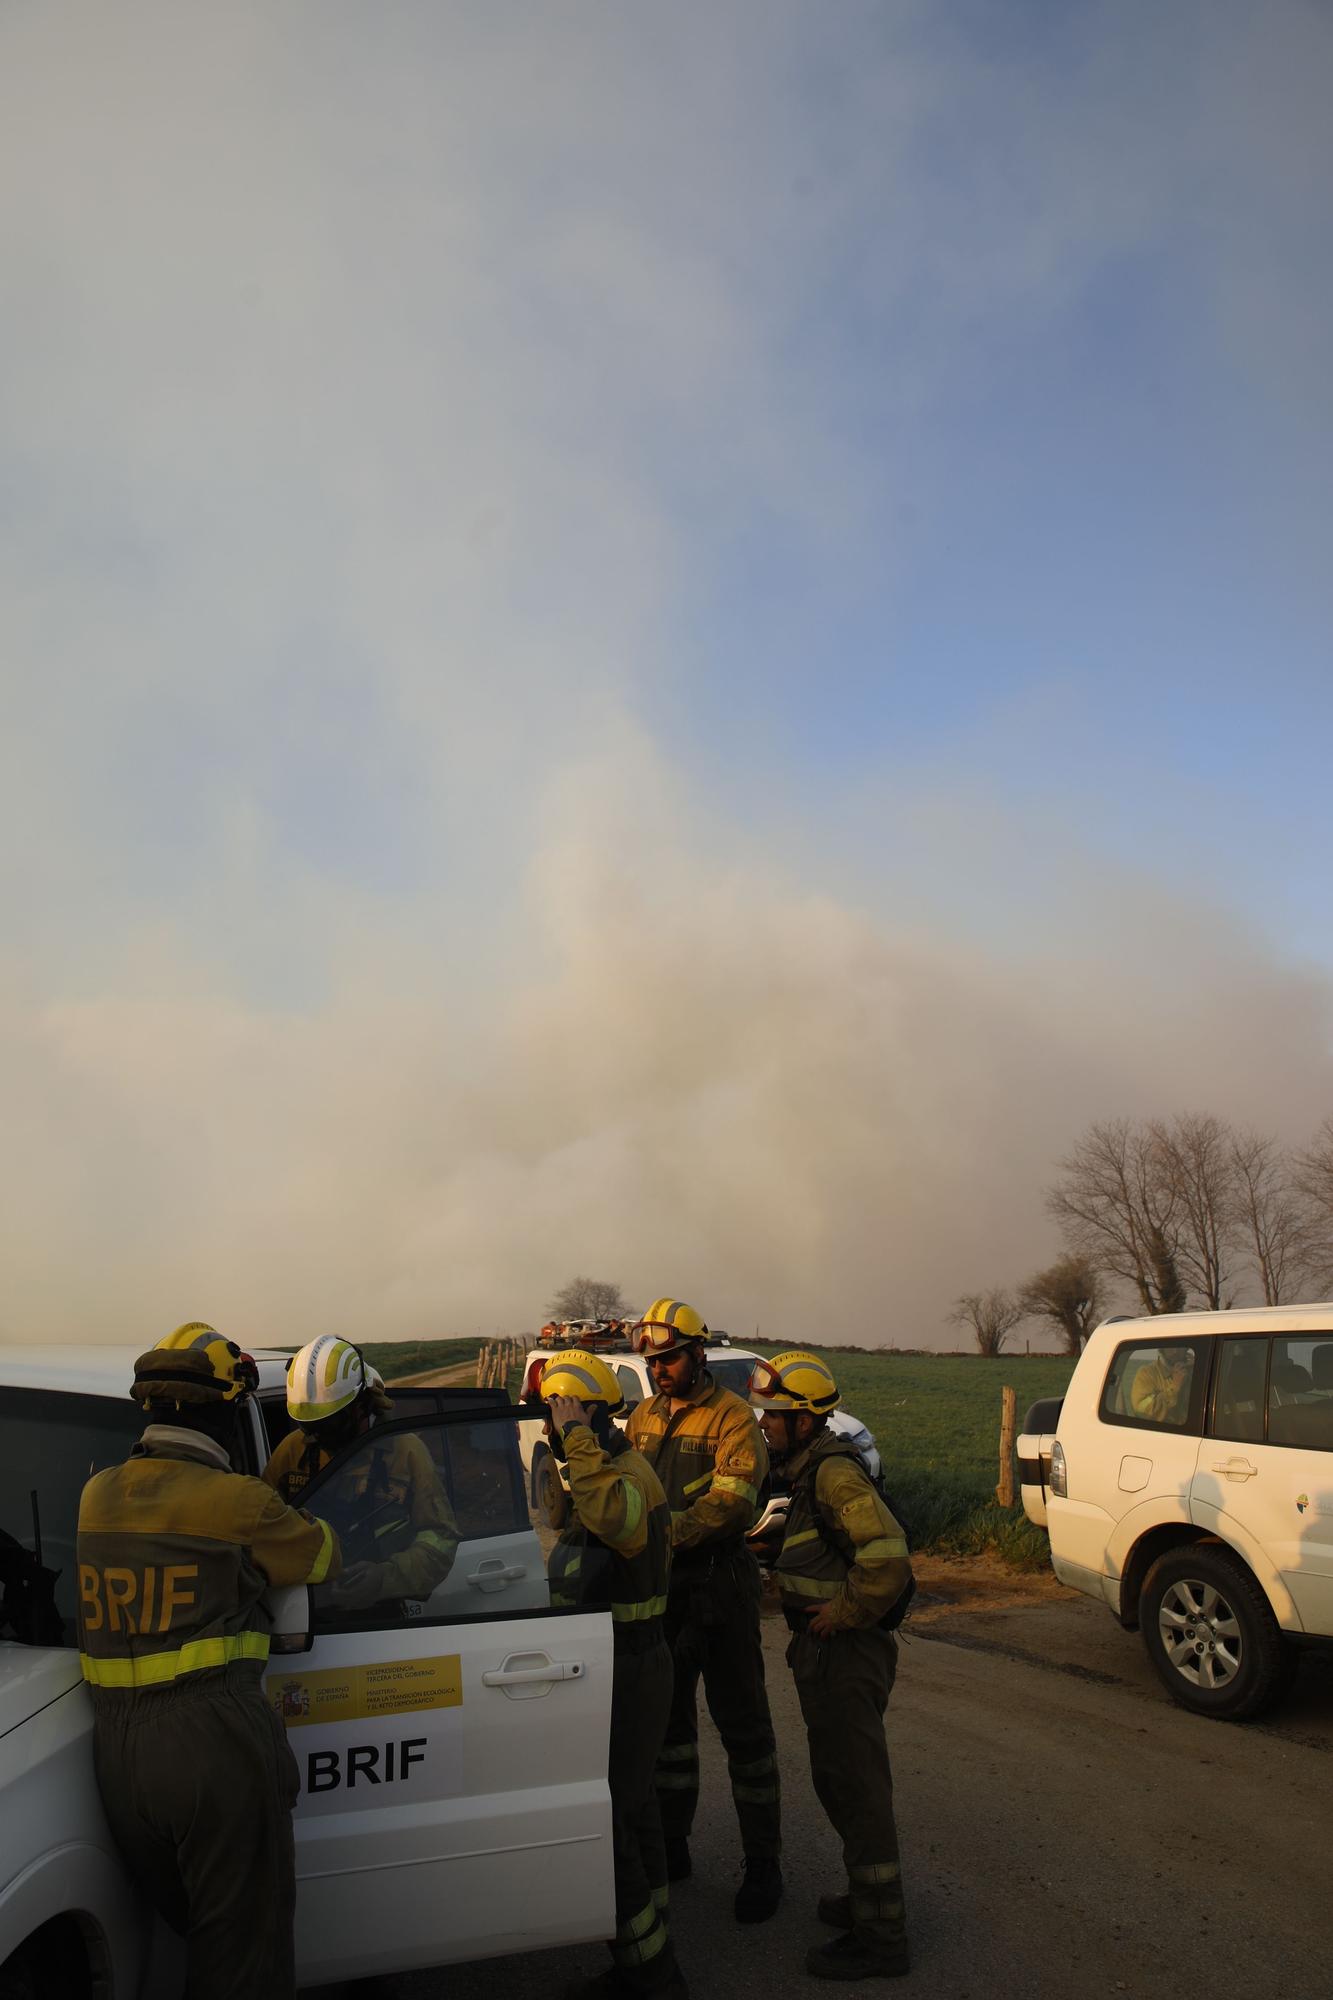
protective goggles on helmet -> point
(793, 1382)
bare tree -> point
(1114, 1203)
(1312, 1178)
(1275, 1217)
(587, 1298)
(1194, 1160)
(992, 1316)
(1069, 1294)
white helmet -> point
(326, 1376)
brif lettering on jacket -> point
(138, 1597)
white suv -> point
(1189, 1486)
(440, 1743)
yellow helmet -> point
(796, 1380)
(325, 1376)
(578, 1373)
(666, 1326)
(193, 1365)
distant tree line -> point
(1175, 1213)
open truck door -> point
(452, 1744)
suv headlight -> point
(1059, 1472)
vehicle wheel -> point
(547, 1492)
(1211, 1633)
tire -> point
(548, 1494)
(1211, 1634)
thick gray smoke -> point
(793, 1112)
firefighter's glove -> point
(360, 1585)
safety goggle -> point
(765, 1379)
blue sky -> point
(631, 634)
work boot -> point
(761, 1891)
(678, 1863)
(849, 1958)
(835, 1910)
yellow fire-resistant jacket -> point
(842, 1546)
(387, 1504)
(1153, 1393)
(710, 1458)
(616, 1551)
(175, 1551)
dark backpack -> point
(898, 1610)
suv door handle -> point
(494, 1574)
(525, 1675)
(554, 1670)
(1235, 1468)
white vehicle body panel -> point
(501, 1817)
(56, 1851)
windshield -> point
(50, 1444)
(733, 1374)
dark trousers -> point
(640, 1703)
(198, 1785)
(844, 1684)
(712, 1626)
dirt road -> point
(1067, 1830)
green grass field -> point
(936, 1419)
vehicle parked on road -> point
(439, 1742)
(730, 1366)
(1186, 1480)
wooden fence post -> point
(1004, 1492)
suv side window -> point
(630, 1385)
(435, 1525)
(50, 1445)
(1238, 1405)
(1300, 1392)
(1156, 1385)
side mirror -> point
(290, 1619)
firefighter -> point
(615, 1551)
(704, 1445)
(175, 1551)
(1161, 1388)
(398, 1534)
(842, 1568)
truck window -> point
(733, 1374)
(50, 1444)
(1156, 1385)
(1238, 1408)
(434, 1522)
(630, 1386)
(1300, 1392)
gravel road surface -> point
(1067, 1831)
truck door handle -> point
(1235, 1468)
(505, 1676)
(494, 1574)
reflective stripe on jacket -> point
(616, 1552)
(174, 1555)
(710, 1458)
(389, 1505)
(842, 1546)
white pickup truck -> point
(441, 1744)
(731, 1368)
